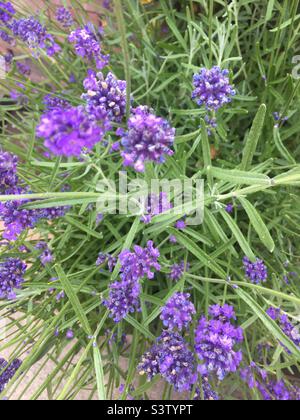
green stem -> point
(122, 30)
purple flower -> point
(211, 124)
(12, 271)
(7, 11)
(8, 171)
(212, 88)
(7, 371)
(87, 45)
(149, 138)
(46, 257)
(173, 239)
(256, 272)
(177, 271)
(105, 97)
(70, 335)
(180, 225)
(178, 312)
(55, 102)
(215, 342)
(155, 205)
(123, 299)
(23, 68)
(140, 263)
(171, 358)
(68, 131)
(207, 392)
(64, 16)
(103, 258)
(35, 35)
(287, 327)
(229, 208)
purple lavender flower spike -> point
(291, 331)
(155, 205)
(177, 271)
(105, 97)
(70, 334)
(123, 299)
(88, 46)
(207, 392)
(46, 257)
(270, 390)
(7, 371)
(124, 295)
(140, 263)
(149, 138)
(64, 16)
(256, 272)
(52, 102)
(12, 271)
(35, 35)
(7, 11)
(178, 312)
(8, 171)
(67, 132)
(171, 358)
(180, 225)
(212, 88)
(215, 342)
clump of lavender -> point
(87, 45)
(178, 312)
(67, 132)
(212, 88)
(149, 138)
(123, 299)
(12, 271)
(171, 358)
(140, 263)
(64, 17)
(52, 102)
(270, 390)
(35, 35)
(7, 11)
(287, 327)
(155, 205)
(7, 371)
(256, 272)
(105, 97)
(8, 172)
(46, 257)
(177, 271)
(215, 342)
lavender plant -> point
(154, 90)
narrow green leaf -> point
(258, 224)
(281, 147)
(253, 137)
(69, 289)
(237, 177)
(238, 235)
(195, 250)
